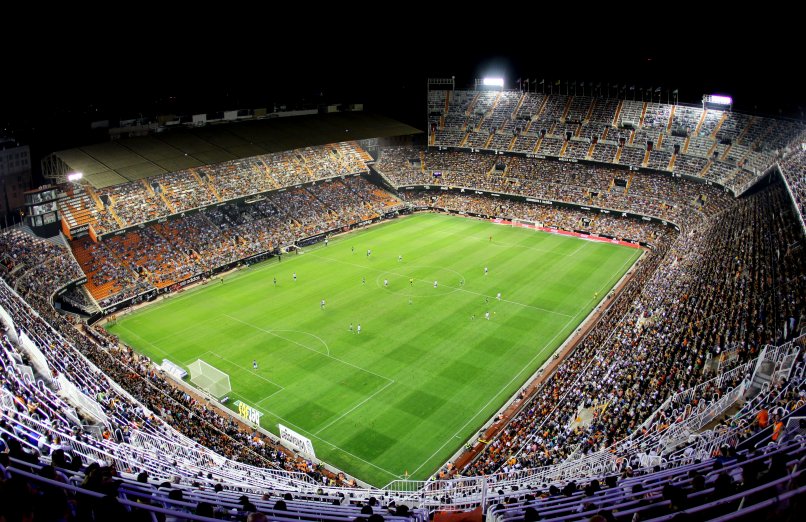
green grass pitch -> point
(424, 374)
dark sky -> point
(71, 69)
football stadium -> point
(551, 304)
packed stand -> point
(748, 484)
(172, 193)
(64, 348)
(160, 255)
(132, 203)
(35, 266)
(755, 142)
(67, 489)
(656, 341)
(543, 215)
(649, 194)
(793, 168)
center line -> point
(337, 419)
(309, 349)
(454, 288)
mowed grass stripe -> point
(422, 376)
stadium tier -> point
(109, 209)
(727, 148)
(683, 392)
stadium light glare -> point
(720, 99)
(493, 82)
(75, 176)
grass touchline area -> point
(455, 314)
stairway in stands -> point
(60, 241)
(719, 124)
(671, 162)
(617, 114)
(671, 120)
(699, 123)
(207, 183)
(629, 182)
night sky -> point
(147, 62)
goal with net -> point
(209, 378)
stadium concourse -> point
(693, 374)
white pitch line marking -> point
(546, 345)
(253, 372)
(303, 430)
(308, 348)
(454, 288)
(337, 419)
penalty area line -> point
(243, 368)
(303, 430)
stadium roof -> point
(130, 159)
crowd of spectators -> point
(158, 401)
(656, 195)
(64, 360)
(554, 118)
(793, 167)
(61, 487)
(548, 216)
(146, 200)
(162, 254)
(707, 490)
(79, 298)
(132, 203)
(732, 279)
(108, 279)
(35, 266)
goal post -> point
(209, 378)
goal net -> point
(209, 378)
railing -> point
(157, 454)
(87, 451)
(6, 399)
(89, 406)
(198, 455)
(708, 442)
(681, 432)
(649, 448)
(129, 458)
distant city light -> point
(75, 176)
(493, 82)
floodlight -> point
(493, 82)
(722, 100)
(75, 176)
(718, 99)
